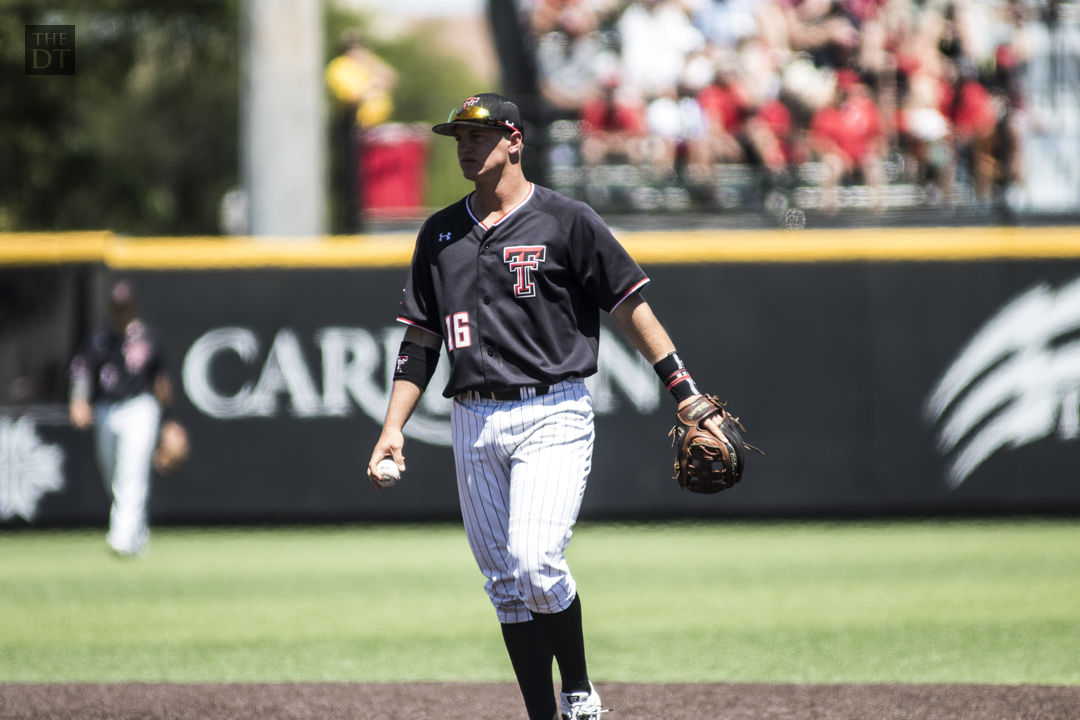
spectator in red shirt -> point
(847, 137)
(747, 122)
(612, 127)
(722, 106)
(974, 120)
(742, 131)
(984, 114)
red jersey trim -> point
(677, 377)
(418, 326)
(629, 292)
(511, 211)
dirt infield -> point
(487, 701)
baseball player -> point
(118, 386)
(511, 280)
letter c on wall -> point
(196, 372)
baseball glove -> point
(704, 462)
(173, 447)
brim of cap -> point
(447, 128)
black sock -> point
(564, 634)
(530, 655)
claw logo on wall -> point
(1016, 381)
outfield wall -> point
(884, 371)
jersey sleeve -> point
(606, 270)
(418, 306)
(85, 366)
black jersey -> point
(517, 302)
(118, 366)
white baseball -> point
(388, 472)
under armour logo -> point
(444, 237)
(523, 260)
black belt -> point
(521, 393)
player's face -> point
(481, 150)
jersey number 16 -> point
(458, 334)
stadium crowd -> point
(683, 87)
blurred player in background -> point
(119, 388)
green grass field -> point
(959, 601)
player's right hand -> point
(82, 415)
(390, 444)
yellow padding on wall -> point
(882, 244)
(211, 253)
(52, 248)
(652, 247)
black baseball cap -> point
(489, 110)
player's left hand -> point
(710, 453)
(173, 447)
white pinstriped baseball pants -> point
(522, 467)
(126, 433)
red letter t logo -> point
(522, 260)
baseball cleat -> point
(581, 705)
